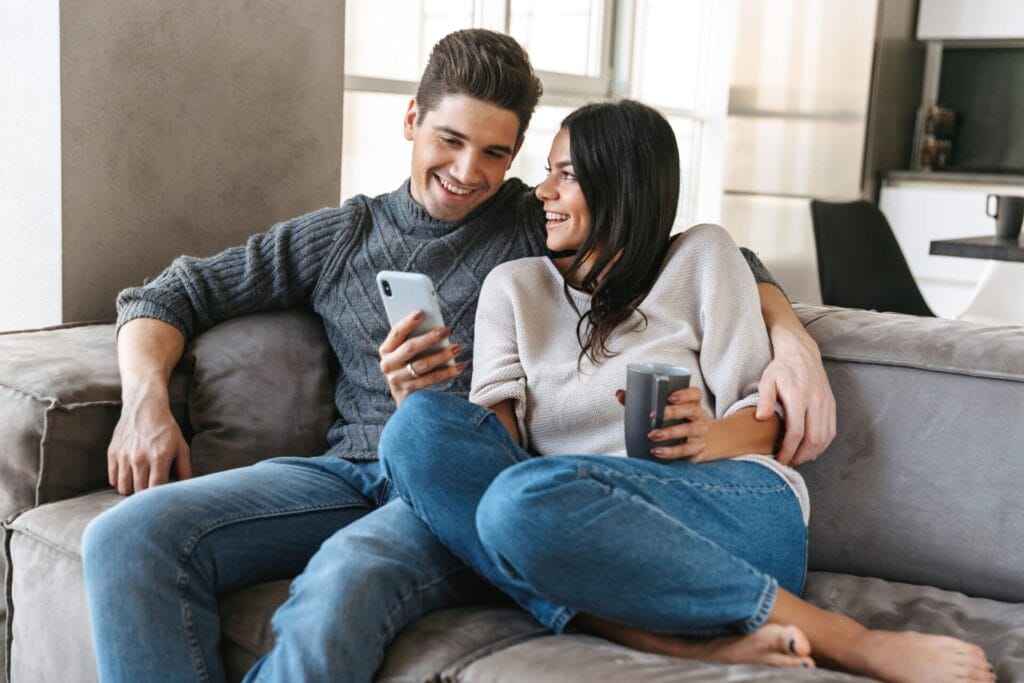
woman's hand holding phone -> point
(403, 365)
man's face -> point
(460, 154)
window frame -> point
(701, 196)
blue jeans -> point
(367, 566)
(669, 547)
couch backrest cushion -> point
(923, 480)
(261, 387)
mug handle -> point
(659, 397)
(988, 205)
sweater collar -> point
(413, 217)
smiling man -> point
(462, 148)
(365, 564)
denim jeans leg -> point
(156, 563)
(668, 547)
(364, 585)
(441, 453)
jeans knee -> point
(140, 526)
(96, 539)
(413, 433)
(112, 535)
(520, 519)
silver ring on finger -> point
(408, 366)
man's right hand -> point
(146, 443)
(147, 440)
(405, 375)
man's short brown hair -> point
(482, 64)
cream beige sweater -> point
(703, 314)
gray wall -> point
(184, 127)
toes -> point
(798, 643)
(788, 661)
(790, 640)
(982, 672)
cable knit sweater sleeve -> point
(276, 269)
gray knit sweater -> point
(328, 261)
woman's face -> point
(567, 213)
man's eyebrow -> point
(462, 136)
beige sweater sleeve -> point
(734, 347)
(497, 369)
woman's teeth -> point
(558, 217)
(451, 188)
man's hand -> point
(146, 443)
(147, 440)
(405, 375)
(796, 377)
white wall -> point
(970, 19)
(30, 201)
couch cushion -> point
(997, 627)
(47, 597)
(59, 401)
(929, 434)
(60, 397)
(261, 387)
(949, 346)
(245, 625)
(456, 644)
(583, 659)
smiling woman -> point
(565, 207)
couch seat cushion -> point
(463, 644)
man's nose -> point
(466, 169)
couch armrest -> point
(922, 483)
(60, 397)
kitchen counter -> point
(952, 177)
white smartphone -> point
(404, 293)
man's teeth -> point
(451, 188)
(556, 216)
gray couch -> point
(915, 517)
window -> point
(666, 53)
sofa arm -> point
(922, 482)
(60, 397)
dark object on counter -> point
(933, 138)
(1009, 214)
(860, 263)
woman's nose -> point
(545, 190)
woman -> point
(700, 553)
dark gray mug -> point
(647, 390)
(1009, 214)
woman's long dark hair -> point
(626, 161)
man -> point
(366, 565)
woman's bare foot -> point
(909, 657)
(770, 645)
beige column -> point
(139, 131)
